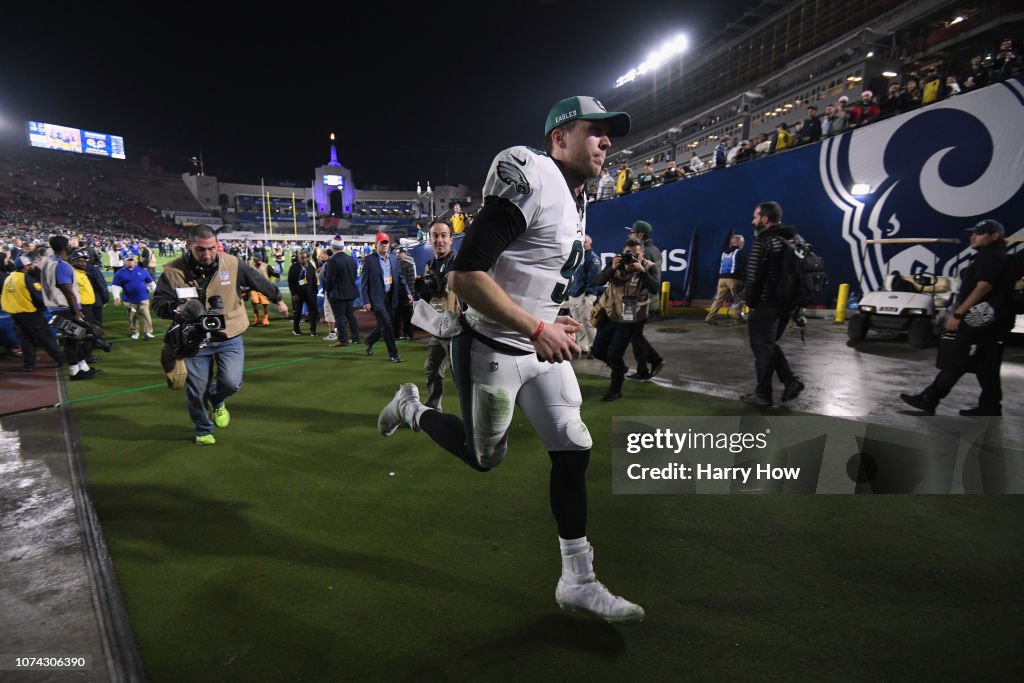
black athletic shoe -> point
(792, 390)
(921, 402)
(395, 358)
(756, 400)
(980, 411)
(369, 350)
(640, 376)
(85, 374)
(612, 395)
(657, 367)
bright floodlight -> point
(674, 47)
(956, 21)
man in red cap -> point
(381, 287)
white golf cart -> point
(907, 304)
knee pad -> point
(492, 415)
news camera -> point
(194, 327)
(430, 286)
(73, 329)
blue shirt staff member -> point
(200, 274)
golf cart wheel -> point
(858, 326)
(920, 333)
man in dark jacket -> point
(99, 286)
(302, 284)
(981, 320)
(381, 286)
(769, 312)
(341, 290)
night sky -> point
(430, 94)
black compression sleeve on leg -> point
(448, 432)
(569, 492)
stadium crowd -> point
(903, 94)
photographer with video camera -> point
(60, 294)
(622, 309)
(432, 289)
(200, 293)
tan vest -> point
(224, 284)
(617, 290)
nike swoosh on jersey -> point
(521, 162)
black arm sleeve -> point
(495, 227)
(250, 277)
(164, 298)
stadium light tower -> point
(672, 48)
(429, 193)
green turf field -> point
(303, 546)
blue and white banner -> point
(932, 172)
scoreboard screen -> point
(65, 139)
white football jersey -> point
(534, 270)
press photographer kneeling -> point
(199, 291)
(626, 302)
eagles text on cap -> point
(586, 109)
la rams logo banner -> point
(928, 173)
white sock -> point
(577, 560)
(420, 409)
(573, 546)
(73, 369)
(83, 366)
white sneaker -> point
(594, 598)
(149, 335)
(331, 336)
(402, 408)
(135, 335)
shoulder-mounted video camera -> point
(79, 330)
(194, 327)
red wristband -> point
(540, 328)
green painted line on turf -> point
(147, 387)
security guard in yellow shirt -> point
(23, 298)
(458, 220)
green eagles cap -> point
(643, 227)
(586, 109)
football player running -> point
(513, 270)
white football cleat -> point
(402, 408)
(592, 597)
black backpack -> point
(803, 273)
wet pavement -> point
(57, 594)
(842, 380)
(57, 591)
